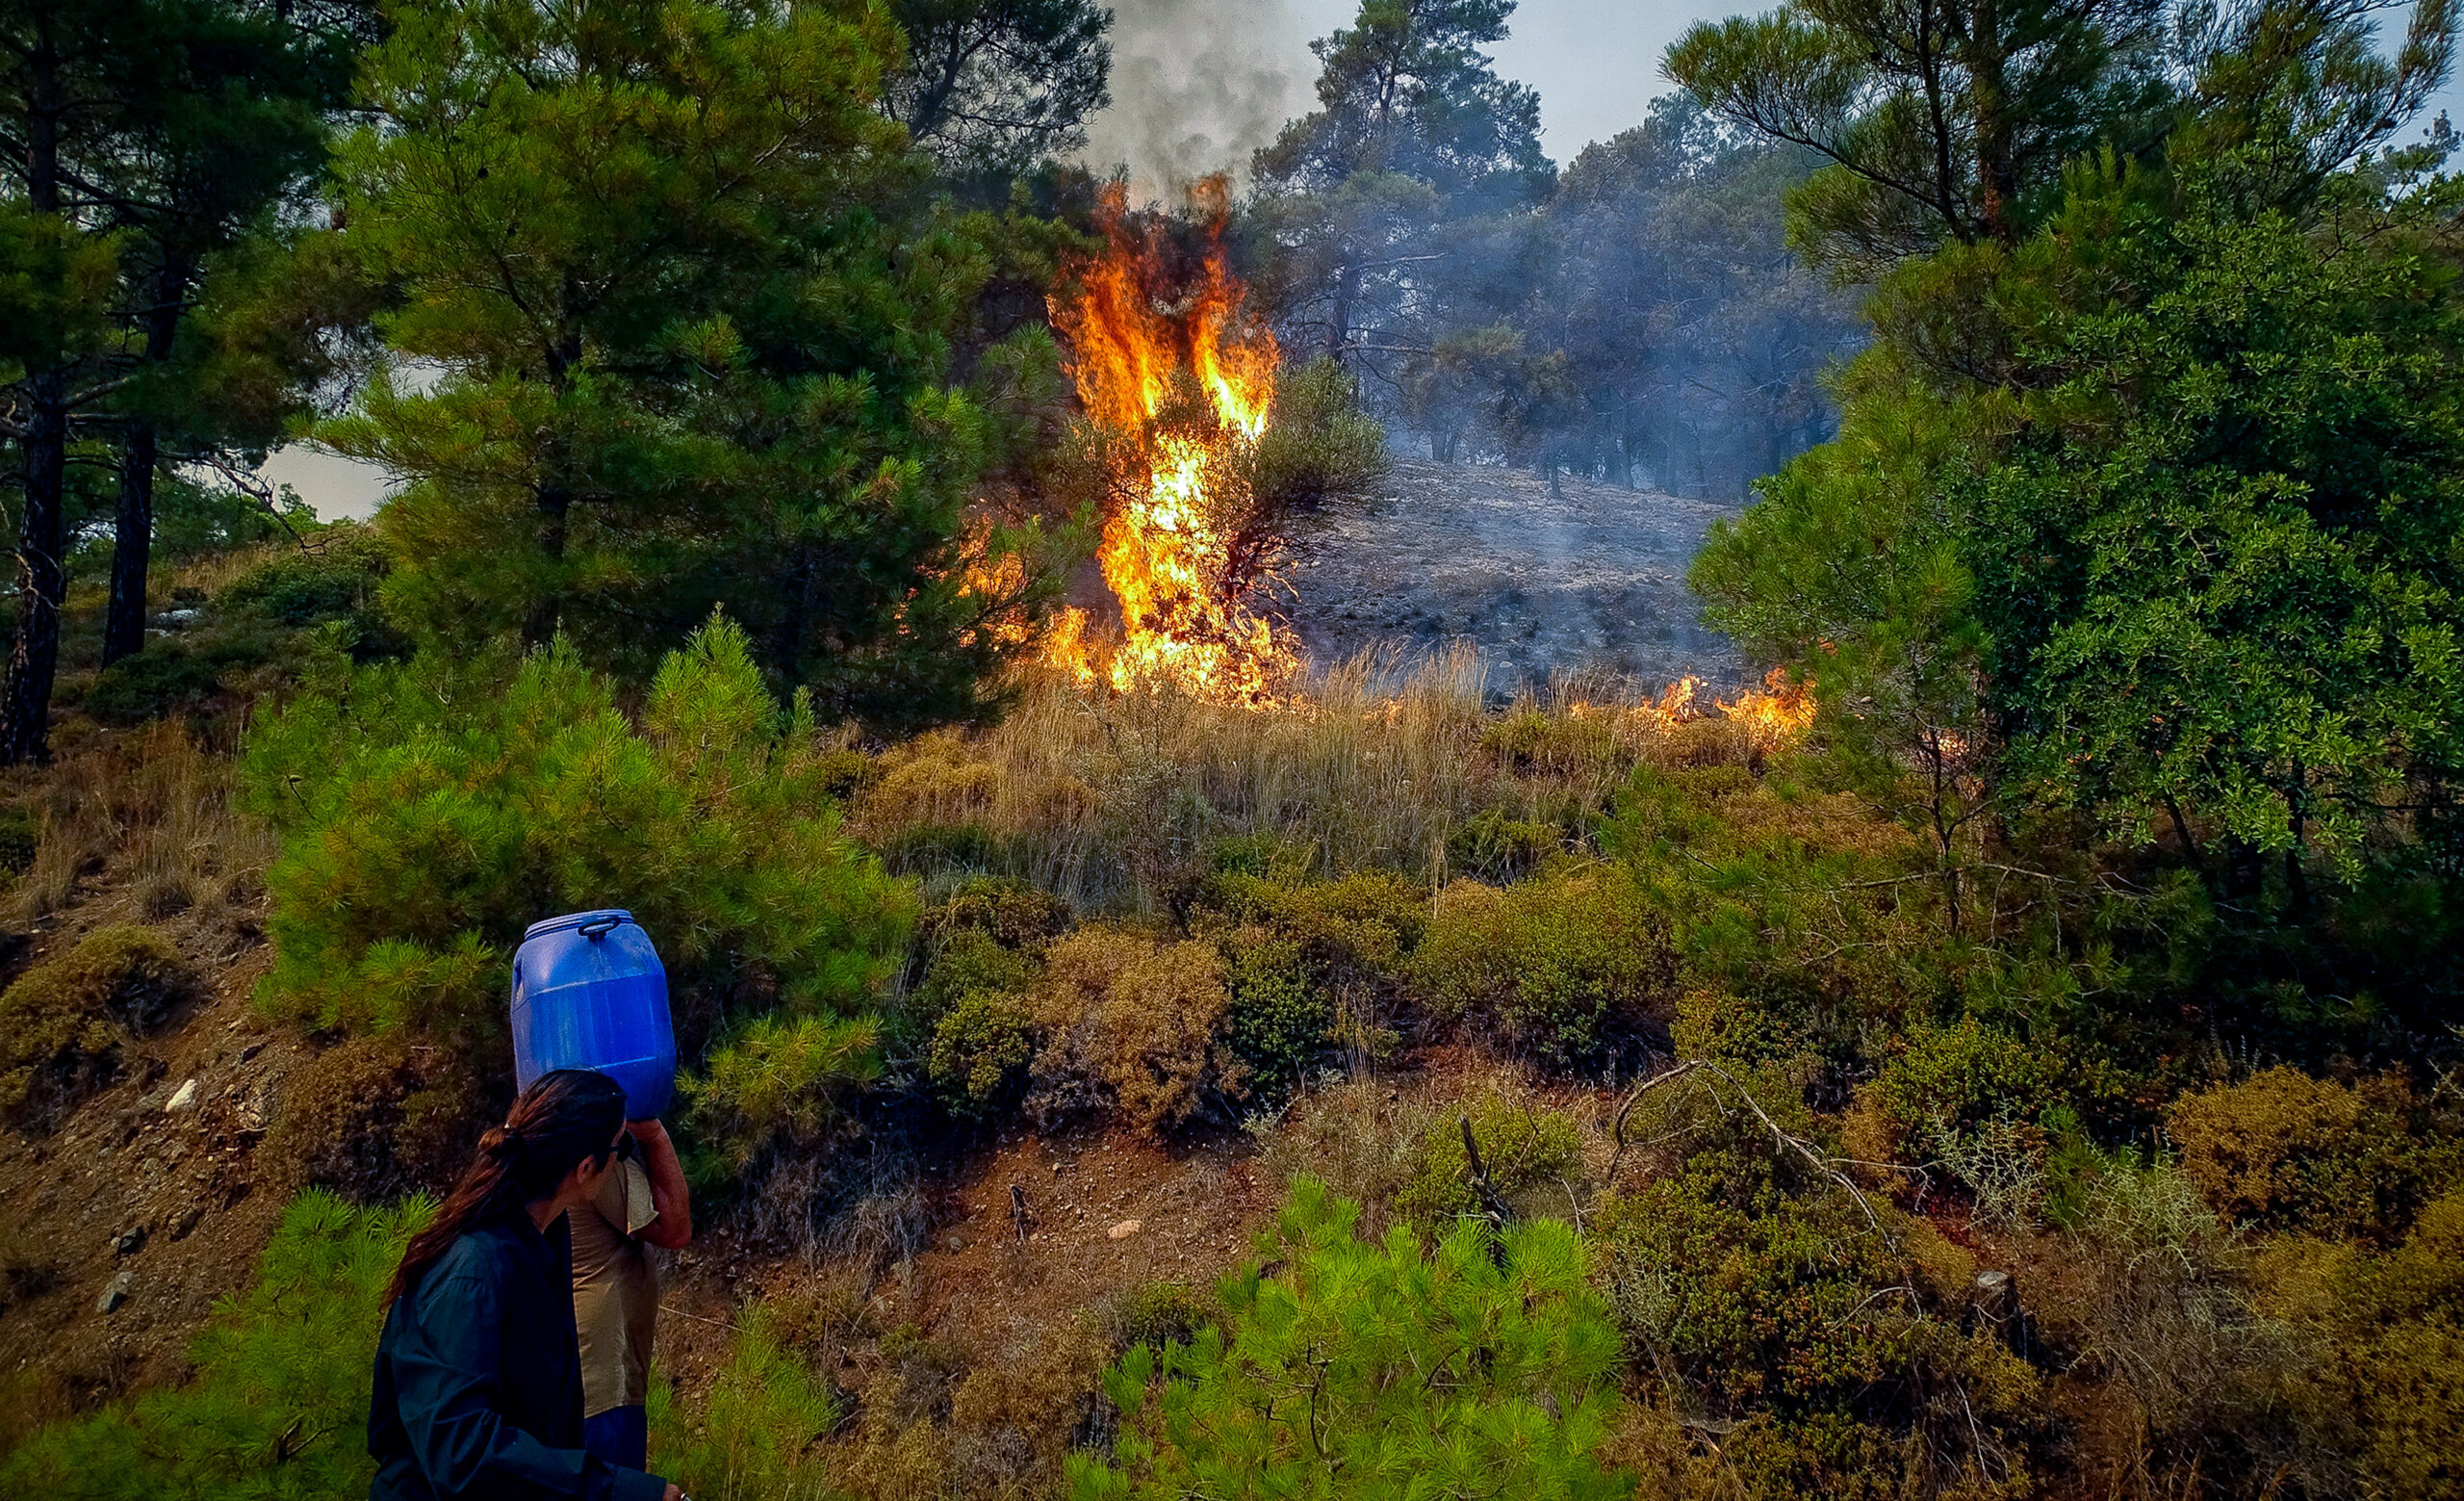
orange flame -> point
(1777, 715)
(1137, 344)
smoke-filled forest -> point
(2005, 1043)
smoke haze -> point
(1198, 85)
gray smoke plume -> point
(1198, 85)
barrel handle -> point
(600, 927)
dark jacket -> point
(479, 1380)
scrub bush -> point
(1278, 1022)
(369, 1120)
(1133, 1025)
(980, 1052)
(1557, 965)
(63, 1022)
(429, 812)
(1376, 1371)
(295, 588)
(1526, 1152)
(1494, 845)
(2285, 1150)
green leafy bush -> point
(1376, 1371)
(1159, 1313)
(1525, 1152)
(1012, 913)
(180, 673)
(1356, 930)
(1320, 447)
(1278, 1024)
(297, 587)
(981, 1049)
(1555, 965)
(429, 812)
(63, 1023)
(19, 833)
(278, 1408)
(1956, 1077)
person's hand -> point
(674, 1494)
(648, 1132)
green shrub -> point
(1012, 913)
(1526, 1152)
(63, 1023)
(295, 588)
(981, 1049)
(1956, 1077)
(1357, 930)
(1376, 1372)
(967, 962)
(180, 673)
(19, 833)
(1727, 1028)
(758, 1430)
(1748, 1293)
(2287, 1151)
(429, 812)
(779, 1083)
(1278, 1022)
(1496, 847)
(1159, 1314)
(1320, 447)
(278, 1408)
(1556, 966)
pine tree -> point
(1480, 1367)
(691, 324)
(1941, 121)
(1414, 133)
(996, 86)
(150, 137)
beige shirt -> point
(615, 1291)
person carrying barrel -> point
(642, 1203)
(479, 1390)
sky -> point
(1197, 84)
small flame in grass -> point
(1137, 345)
(1777, 715)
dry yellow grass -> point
(141, 821)
(1108, 798)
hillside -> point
(1591, 580)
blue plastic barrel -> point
(589, 993)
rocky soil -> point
(1592, 581)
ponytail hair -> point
(564, 1119)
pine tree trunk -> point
(540, 621)
(132, 526)
(43, 448)
(25, 704)
(132, 547)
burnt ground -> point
(1542, 586)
